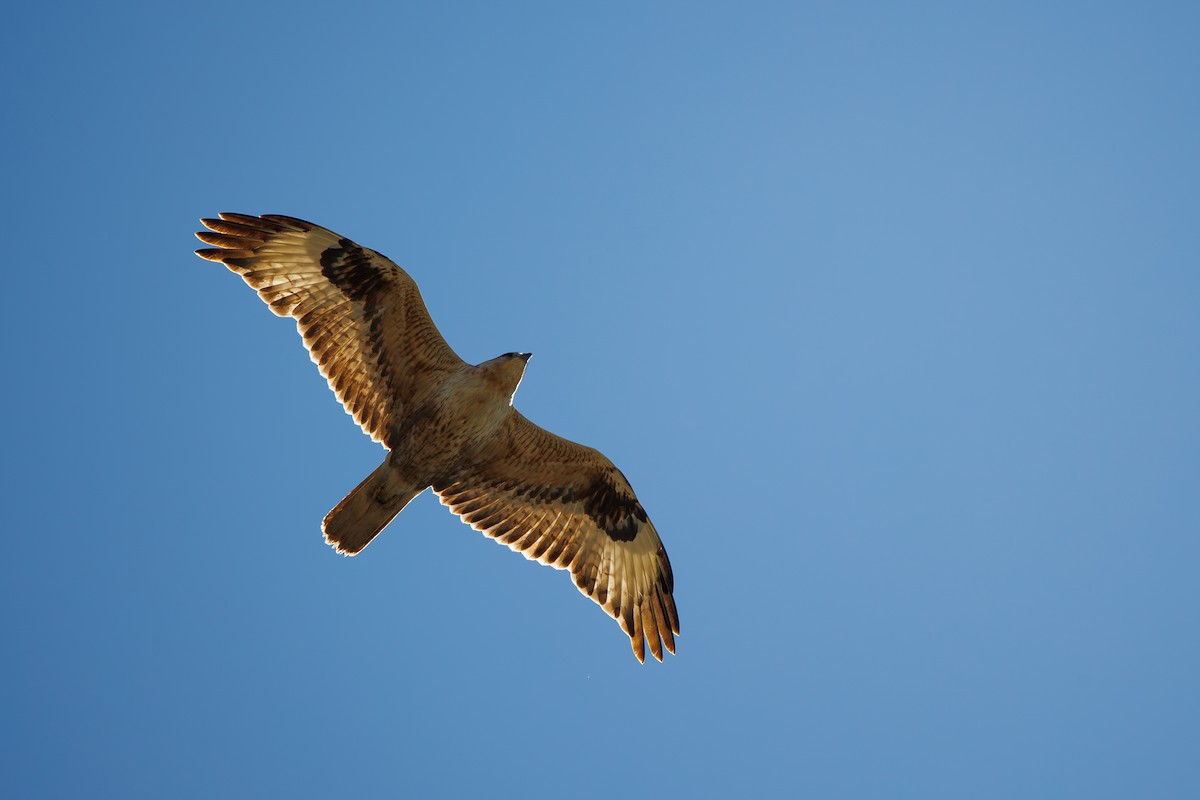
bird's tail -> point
(363, 513)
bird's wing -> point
(567, 506)
(361, 316)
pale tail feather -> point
(367, 510)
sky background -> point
(888, 311)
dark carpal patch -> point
(350, 269)
(615, 512)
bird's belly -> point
(442, 438)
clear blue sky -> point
(888, 311)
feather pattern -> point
(361, 316)
(571, 509)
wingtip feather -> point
(228, 241)
(660, 621)
(650, 627)
(295, 222)
(223, 256)
(263, 223)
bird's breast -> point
(443, 434)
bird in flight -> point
(448, 424)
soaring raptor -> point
(449, 425)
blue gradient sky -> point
(888, 311)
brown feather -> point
(262, 223)
(373, 375)
(587, 510)
(228, 242)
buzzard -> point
(449, 425)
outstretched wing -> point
(361, 316)
(567, 506)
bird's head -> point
(506, 371)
